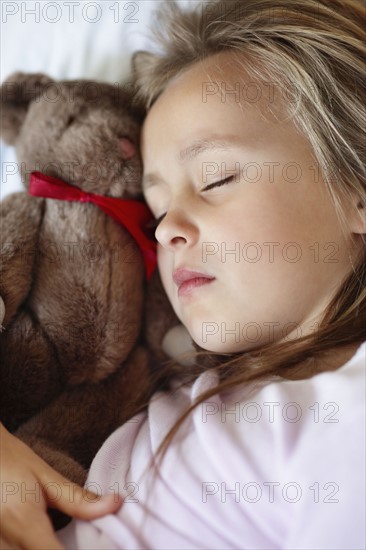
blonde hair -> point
(318, 46)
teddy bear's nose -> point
(127, 148)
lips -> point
(187, 280)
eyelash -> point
(154, 223)
(218, 183)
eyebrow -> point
(193, 151)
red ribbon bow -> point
(133, 215)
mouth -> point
(188, 280)
(186, 288)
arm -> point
(20, 220)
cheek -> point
(258, 221)
(165, 269)
(166, 266)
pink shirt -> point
(280, 465)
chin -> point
(215, 345)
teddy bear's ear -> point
(16, 94)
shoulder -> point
(285, 415)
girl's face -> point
(243, 202)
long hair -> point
(318, 46)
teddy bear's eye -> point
(70, 120)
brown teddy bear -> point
(73, 280)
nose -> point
(177, 229)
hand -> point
(28, 488)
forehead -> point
(220, 81)
(209, 98)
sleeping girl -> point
(253, 153)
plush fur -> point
(72, 363)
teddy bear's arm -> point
(159, 318)
(20, 216)
(76, 423)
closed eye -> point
(218, 183)
(152, 224)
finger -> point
(85, 504)
(34, 530)
(7, 545)
(76, 501)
